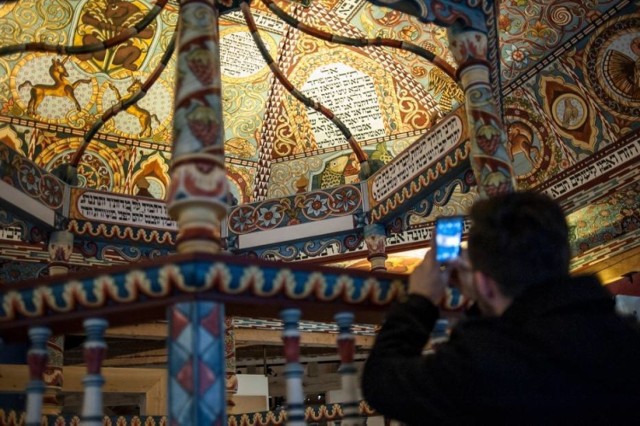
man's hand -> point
(428, 280)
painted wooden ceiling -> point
(568, 75)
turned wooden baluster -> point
(60, 250)
(293, 371)
(348, 372)
(37, 361)
(95, 349)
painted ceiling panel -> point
(530, 29)
(386, 97)
(569, 71)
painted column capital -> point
(375, 237)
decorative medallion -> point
(571, 114)
(100, 167)
(612, 66)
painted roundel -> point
(527, 149)
(569, 111)
(612, 66)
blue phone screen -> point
(448, 238)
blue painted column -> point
(348, 372)
(197, 364)
(37, 361)
(293, 370)
(95, 349)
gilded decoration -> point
(241, 182)
(532, 145)
(606, 220)
(152, 176)
(53, 89)
(101, 167)
(383, 22)
(100, 20)
(149, 118)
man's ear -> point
(485, 285)
(490, 294)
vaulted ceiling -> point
(566, 69)
(570, 93)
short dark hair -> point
(519, 239)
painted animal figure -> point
(61, 87)
(144, 116)
(108, 18)
(521, 140)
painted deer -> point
(144, 117)
(61, 86)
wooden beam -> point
(613, 268)
(148, 381)
(244, 336)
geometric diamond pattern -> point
(197, 364)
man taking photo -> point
(545, 348)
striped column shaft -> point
(293, 370)
(490, 161)
(348, 372)
(196, 364)
(37, 362)
(95, 349)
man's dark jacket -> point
(558, 355)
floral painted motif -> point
(269, 216)
(345, 199)
(301, 208)
(51, 191)
(529, 29)
(242, 219)
(316, 206)
(30, 179)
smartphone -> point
(448, 234)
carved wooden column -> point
(348, 372)
(37, 361)
(60, 250)
(197, 201)
(375, 238)
(95, 349)
(293, 370)
(196, 364)
(489, 159)
(198, 191)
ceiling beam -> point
(244, 336)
